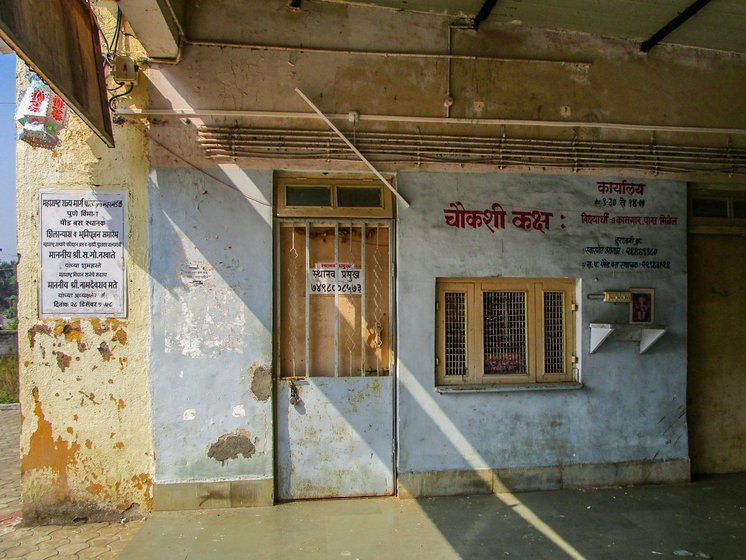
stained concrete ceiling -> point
(720, 25)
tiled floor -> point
(102, 541)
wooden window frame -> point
(727, 225)
(534, 288)
(334, 181)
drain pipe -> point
(448, 101)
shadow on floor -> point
(706, 517)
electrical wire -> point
(110, 56)
(106, 41)
(117, 96)
(111, 47)
(117, 31)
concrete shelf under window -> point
(506, 388)
(646, 335)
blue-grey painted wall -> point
(211, 269)
(631, 406)
(211, 341)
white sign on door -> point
(330, 279)
(82, 254)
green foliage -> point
(9, 294)
(9, 379)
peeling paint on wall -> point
(209, 334)
(230, 446)
(239, 411)
(261, 381)
(72, 397)
(45, 453)
(120, 336)
(105, 351)
(196, 335)
(37, 329)
(63, 360)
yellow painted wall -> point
(86, 448)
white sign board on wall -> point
(82, 254)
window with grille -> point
(504, 330)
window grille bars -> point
(504, 332)
(455, 331)
(554, 335)
(297, 308)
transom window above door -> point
(332, 196)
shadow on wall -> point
(205, 236)
(210, 264)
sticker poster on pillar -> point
(82, 254)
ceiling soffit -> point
(719, 25)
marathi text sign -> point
(332, 278)
(82, 254)
(628, 253)
(493, 218)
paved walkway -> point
(706, 519)
(102, 541)
(703, 520)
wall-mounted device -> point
(124, 70)
(617, 297)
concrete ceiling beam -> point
(155, 26)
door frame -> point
(276, 336)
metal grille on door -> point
(335, 297)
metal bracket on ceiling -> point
(484, 13)
(672, 25)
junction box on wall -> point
(124, 70)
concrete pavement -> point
(705, 519)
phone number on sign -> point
(336, 288)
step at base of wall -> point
(212, 495)
(529, 479)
